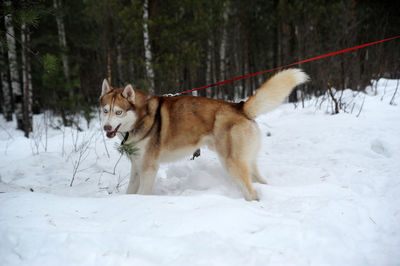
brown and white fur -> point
(169, 128)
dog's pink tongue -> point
(111, 134)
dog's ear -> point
(105, 88)
(129, 93)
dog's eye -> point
(105, 111)
(118, 112)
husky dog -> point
(169, 128)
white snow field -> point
(333, 196)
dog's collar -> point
(126, 137)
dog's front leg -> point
(134, 180)
(147, 177)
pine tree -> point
(14, 70)
(27, 79)
(5, 85)
(62, 41)
(147, 47)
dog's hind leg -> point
(241, 172)
(257, 177)
(237, 144)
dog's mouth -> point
(111, 134)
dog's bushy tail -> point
(272, 93)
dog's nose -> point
(107, 128)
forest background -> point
(55, 54)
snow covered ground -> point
(333, 196)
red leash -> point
(293, 64)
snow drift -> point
(333, 196)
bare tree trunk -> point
(119, 62)
(222, 50)
(246, 54)
(14, 74)
(5, 85)
(209, 75)
(147, 47)
(288, 42)
(293, 97)
(106, 32)
(63, 42)
(27, 81)
(108, 51)
(214, 69)
(236, 60)
(277, 40)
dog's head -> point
(117, 109)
